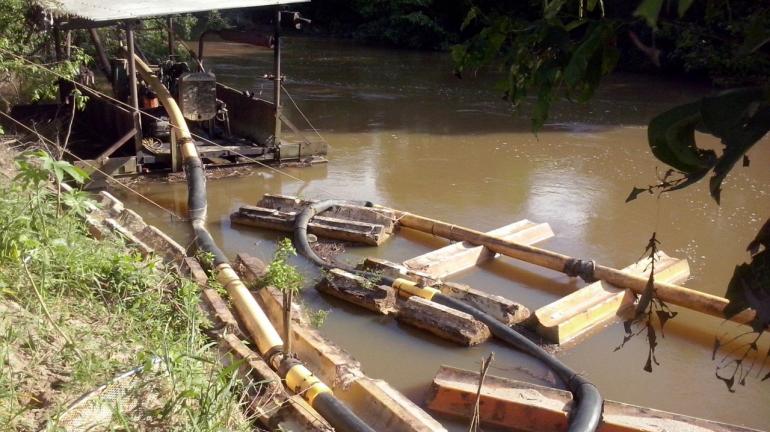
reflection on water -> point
(405, 133)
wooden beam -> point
(113, 148)
(460, 256)
(528, 407)
(599, 303)
(443, 321)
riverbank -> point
(76, 311)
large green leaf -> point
(672, 139)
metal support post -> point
(133, 87)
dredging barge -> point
(128, 131)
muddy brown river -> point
(404, 132)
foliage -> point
(132, 309)
(546, 57)
(280, 273)
(24, 31)
(649, 308)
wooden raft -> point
(349, 223)
(442, 321)
(528, 407)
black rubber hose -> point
(339, 416)
(586, 414)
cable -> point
(303, 114)
(135, 192)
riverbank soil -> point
(76, 312)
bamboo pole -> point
(669, 293)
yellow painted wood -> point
(460, 256)
(596, 304)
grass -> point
(75, 312)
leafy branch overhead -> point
(738, 117)
(549, 57)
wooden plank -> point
(322, 226)
(460, 256)
(443, 321)
(529, 407)
(599, 303)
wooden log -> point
(460, 256)
(670, 293)
(505, 310)
(600, 303)
(528, 407)
(359, 291)
(443, 321)
(322, 226)
(395, 270)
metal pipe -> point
(269, 344)
(101, 55)
(277, 76)
(133, 87)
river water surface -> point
(405, 133)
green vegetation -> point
(23, 32)
(282, 275)
(75, 312)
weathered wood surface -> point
(322, 226)
(600, 303)
(460, 256)
(505, 310)
(442, 321)
(529, 407)
(359, 291)
(374, 401)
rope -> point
(583, 268)
(303, 114)
(135, 192)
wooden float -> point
(600, 303)
(522, 406)
(348, 223)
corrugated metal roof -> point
(109, 10)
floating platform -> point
(347, 223)
(528, 407)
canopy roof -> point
(112, 10)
